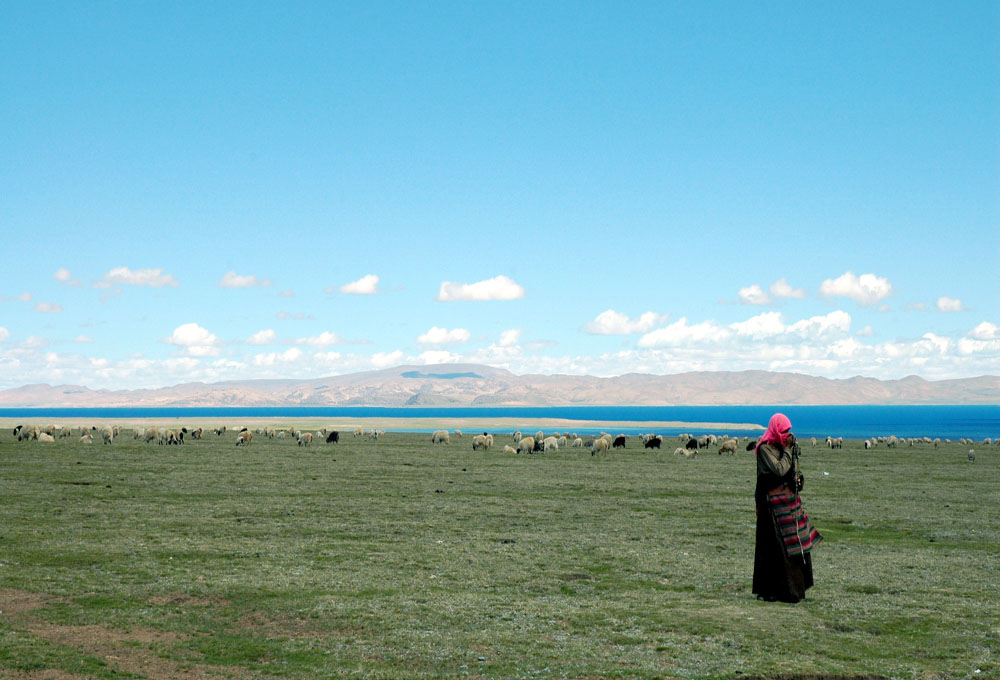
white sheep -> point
(507, 448)
(550, 444)
(46, 437)
(728, 446)
(577, 443)
(440, 437)
(87, 439)
(244, 438)
(516, 436)
(306, 439)
(526, 445)
(107, 434)
(600, 444)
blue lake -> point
(854, 422)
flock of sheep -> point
(537, 443)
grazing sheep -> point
(728, 446)
(440, 437)
(87, 439)
(550, 444)
(619, 442)
(752, 445)
(107, 434)
(358, 432)
(458, 433)
(692, 444)
(45, 437)
(563, 441)
(600, 444)
(333, 437)
(281, 434)
(653, 442)
(868, 444)
(690, 453)
(813, 441)
(306, 439)
(577, 443)
(680, 451)
(539, 436)
(244, 438)
(507, 448)
(479, 442)
(972, 455)
(526, 445)
(219, 431)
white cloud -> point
(83, 339)
(287, 293)
(510, 337)
(817, 326)
(234, 280)
(264, 337)
(441, 336)
(760, 326)
(497, 288)
(154, 278)
(865, 332)
(324, 339)
(198, 341)
(383, 359)
(934, 343)
(985, 331)
(48, 307)
(916, 307)
(63, 275)
(439, 356)
(754, 295)
(611, 322)
(866, 289)
(781, 289)
(680, 333)
(947, 304)
(4, 333)
(366, 285)
(289, 356)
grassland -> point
(399, 559)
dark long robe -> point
(776, 575)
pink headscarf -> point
(776, 431)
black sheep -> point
(333, 437)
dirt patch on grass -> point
(133, 650)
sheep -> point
(479, 442)
(600, 444)
(507, 448)
(690, 453)
(550, 444)
(619, 442)
(45, 437)
(306, 439)
(333, 437)
(539, 436)
(752, 445)
(680, 451)
(526, 445)
(440, 437)
(107, 434)
(244, 438)
(692, 444)
(563, 441)
(868, 444)
(972, 455)
(653, 442)
(219, 431)
(516, 436)
(65, 432)
(458, 433)
(375, 434)
(577, 443)
(358, 432)
(86, 439)
(728, 446)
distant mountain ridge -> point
(476, 385)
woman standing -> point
(782, 567)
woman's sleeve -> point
(775, 459)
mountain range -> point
(476, 385)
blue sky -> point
(206, 192)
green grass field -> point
(400, 559)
